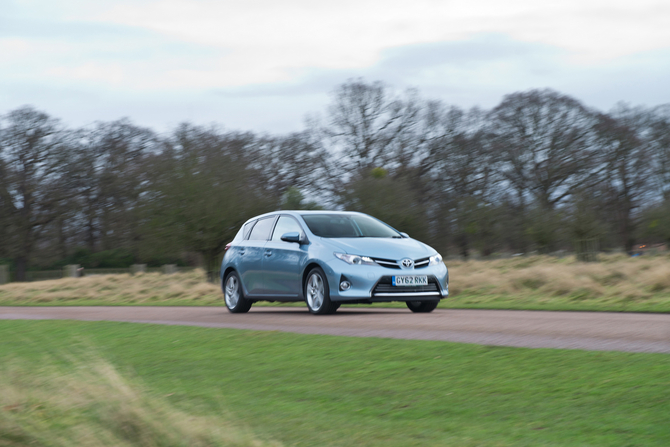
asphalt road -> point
(600, 331)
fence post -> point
(71, 271)
(169, 269)
(587, 250)
(138, 268)
(4, 274)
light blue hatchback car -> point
(327, 258)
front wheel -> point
(317, 293)
(234, 295)
(422, 306)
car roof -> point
(300, 212)
(319, 212)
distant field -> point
(617, 283)
(77, 383)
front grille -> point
(389, 263)
(420, 263)
(385, 285)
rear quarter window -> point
(246, 229)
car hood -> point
(378, 247)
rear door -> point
(283, 260)
(250, 266)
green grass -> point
(309, 390)
(465, 301)
(473, 300)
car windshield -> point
(347, 225)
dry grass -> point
(90, 404)
(143, 288)
(618, 282)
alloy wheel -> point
(315, 291)
(232, 293)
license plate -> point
(410, 280)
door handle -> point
(268, 253)
(241, 252)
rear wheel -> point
(317, 293)
(422, 306)
(234, 295)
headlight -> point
(355, 259)
(434, 260)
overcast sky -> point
(264, 64)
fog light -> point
(345, 285)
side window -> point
(261, 230)
(285, 224)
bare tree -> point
(658, 134)
(366, 121)
(544, 145)
(34, 168)
(291, 161)
(625, 148)
(462, 169)
(114, 178)
(203, 189)
(539, 168)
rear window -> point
(347, 225)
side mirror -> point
(292, 236)
(405, 235)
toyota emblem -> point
(407, 263)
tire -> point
(422, 306)
(317, 293)
(234, 295)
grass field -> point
(87, 402)
(299, 390)
(617, 283)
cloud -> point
(350, 34)
(263, 64)
(492, 60)
(481, 70)
(102, 55)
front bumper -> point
(371, 283)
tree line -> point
(538, 172)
